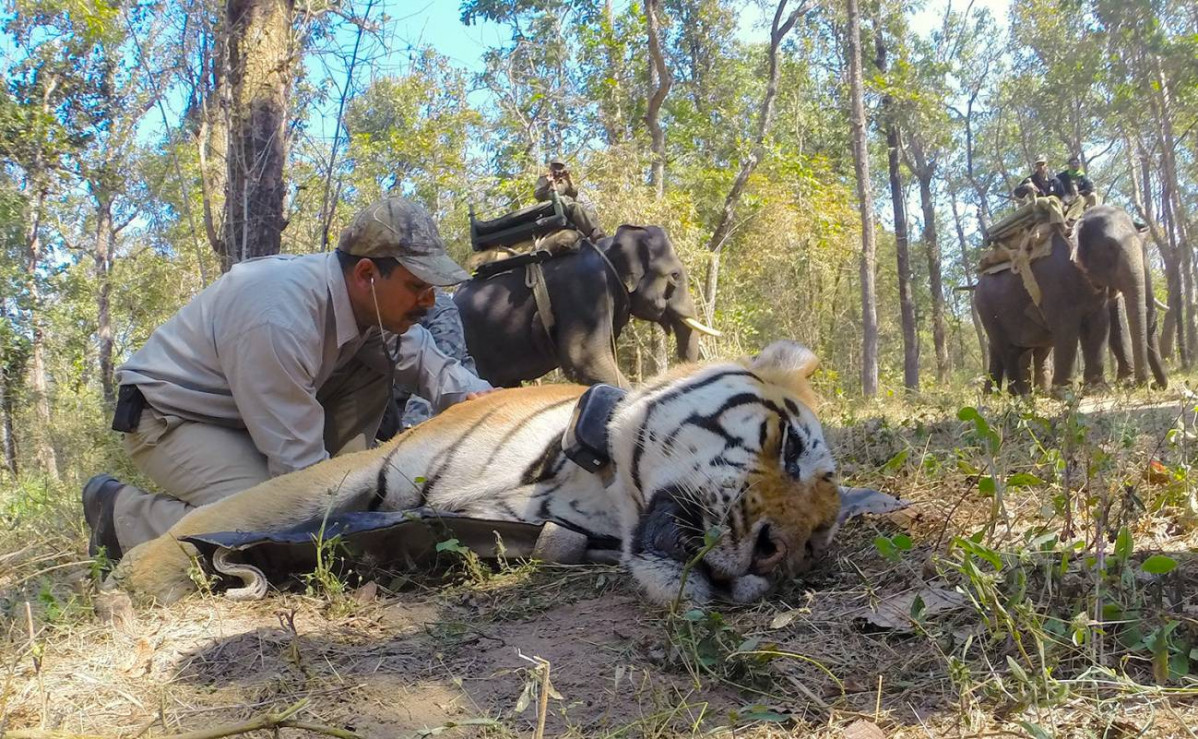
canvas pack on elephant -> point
(587, 297)
(1077, 277)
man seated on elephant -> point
(279, 364)
(1040, 183)
(558, 178)
(1077, 191)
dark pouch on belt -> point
(129, 405)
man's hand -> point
(480, 393)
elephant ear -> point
(629, 253)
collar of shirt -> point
(343, 311)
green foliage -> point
(892, 547)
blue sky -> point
(436, 22)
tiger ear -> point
(789, 364)
(787, 357)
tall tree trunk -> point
(869, 303)
(9, 378)
(935, 273)
(660, 344)
(1179, 280)
(102, 256)
(212, 135)
(765, 116)
(660, 80)
(611, 109)
(898, 202)
(979, 186)
(967, 268)
(1172, 196)
(262, 59)
(1142, 199)
(7, 438)
(46, 457)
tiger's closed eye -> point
(793, 449)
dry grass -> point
(1016, 652)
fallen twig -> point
(280, 720)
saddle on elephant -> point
(539, 228)
(1023, 236)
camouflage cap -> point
(1041, 159)
(556, 162)
(398, 228)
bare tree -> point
(901, 238)
(869, 301)
(966, 268)
(923, 164)
(262, 58)
(660, 81)
(781, 26)
(37, 188)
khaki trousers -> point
(195, 463)
(581, 216)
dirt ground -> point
(836, 654)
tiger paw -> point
(157, 570)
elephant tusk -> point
(1160, 306)
(701, 328)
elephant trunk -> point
(1154, 351)
(1136, 301)
(680, 318)
(688, 341)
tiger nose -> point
(768, 552)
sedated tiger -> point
(732, 447)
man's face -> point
(1041, 167)
(402, 298)
(1075, 164)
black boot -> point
(99, 500)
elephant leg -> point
(1015, 365)
(1064, 354)
(1094, 331)
(995, 375)
(590, 358)
(1042, 368)
(1120, 342)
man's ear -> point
(365, 271)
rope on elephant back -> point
(534, 279)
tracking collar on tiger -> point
(585, 442)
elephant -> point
(593, 292)
(1079, 297)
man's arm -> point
(271, 371)
(541, 192)
(570, 190)
(435, 375)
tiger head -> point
(734, 485)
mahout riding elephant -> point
(1076, 306)
(593, 293)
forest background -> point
(149, 146)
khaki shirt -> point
(541, 190)
(253, 348)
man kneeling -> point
(279, 364)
